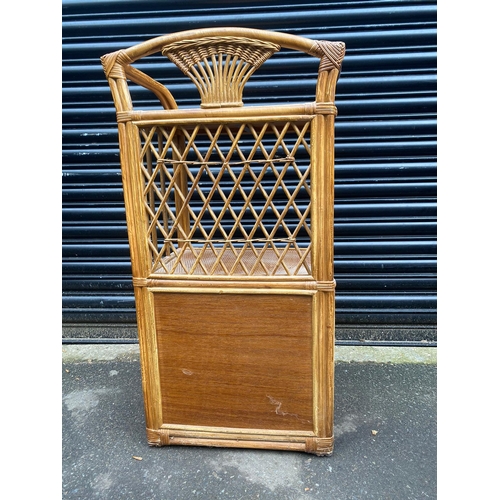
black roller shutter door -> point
(385, 194)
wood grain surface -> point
(239, 361)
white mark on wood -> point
(187, 372)
(282, 413)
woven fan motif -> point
(220, 66)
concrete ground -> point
(385, 436)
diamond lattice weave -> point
(228, 199)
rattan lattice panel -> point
(228, 200)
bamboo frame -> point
(163, 162)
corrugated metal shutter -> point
(385, 206)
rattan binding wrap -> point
(220, 66)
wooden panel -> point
(235, 360)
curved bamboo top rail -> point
(284, 40)
(219, 61)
